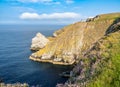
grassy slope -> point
(108, 16)
(110, 75)
(101, 65)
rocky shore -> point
(51, 61)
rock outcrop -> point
(115, 27)
(92, 19)
(71, 43)
(38, 42)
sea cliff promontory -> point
(69, 44)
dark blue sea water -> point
(15, 66)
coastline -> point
(50, 61)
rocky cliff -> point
(72, 42)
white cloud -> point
(91, 17)
(47, 2)
(65, 15)
(69, 1)
(27, 15)
(34, 1)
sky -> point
(53, 11)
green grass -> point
(111, 16)
(103, 60)
(110, 75)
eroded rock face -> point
(39, 41)
(115, 27)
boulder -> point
(38, 42)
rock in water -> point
(38, 42)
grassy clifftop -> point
(71, 42)
(109, 16)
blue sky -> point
(53, 11)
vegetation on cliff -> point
(99, 66)
(70, 43)
(108, 73)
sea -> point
(15, 65)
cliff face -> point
(70, 43)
